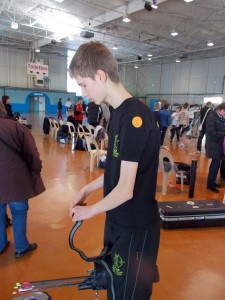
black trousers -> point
(133, 255)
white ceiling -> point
(148, 32)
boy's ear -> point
(102, 75)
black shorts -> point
(133, 254)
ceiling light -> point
(37, 50)
(174, 33)
(188, 1)
(126, 19)
(136, 67)
(210, 43)
(14, 25)
(149, 58)
(115, 47)
(71, 38)
(149, 55)
(59, 1)
(177, 60)
(154, 4)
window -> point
(72, 86)
(214, 100)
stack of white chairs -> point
(93, 153)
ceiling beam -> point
(108, 16)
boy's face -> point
(94, 90)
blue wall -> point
(20, 99)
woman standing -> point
(8, 106)
(78, 111)
(215, 133)
(59, 106)
(20, 179)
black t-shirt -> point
(133, 136)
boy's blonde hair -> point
(91, 57)
(70, 112)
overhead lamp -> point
(71, 38)
(149, 55)
(37, 50)
(115, 47)
(136, 67)
(126, 18)
(177, 60)
(174, 33)
(154, 4)
(210, 43)
(14, 25)
(188, 1)
(149, 58)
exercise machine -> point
(100, 278)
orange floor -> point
(191, 261)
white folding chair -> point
(94, 153)
(72, 130)
(91, 129)
(166, 165)
(81, 132)
(52, 127)
(56, 128)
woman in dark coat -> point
(215, 133)
(20, 179)
(8, 106)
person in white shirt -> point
(175, 124)
(68, 104)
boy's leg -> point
(133, 263)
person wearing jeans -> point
(20, 180)
(19, 215)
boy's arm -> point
(120, 194)
(86, 190)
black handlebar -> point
(81, 253)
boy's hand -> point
(79, 213)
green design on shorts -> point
(117, 264)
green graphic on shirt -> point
(115, 146)
(117, 264)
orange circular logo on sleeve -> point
(137, 122)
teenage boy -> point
(132, 219)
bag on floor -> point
(80, 144)
(102, 161)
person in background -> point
(215, 133)
(184, 119)
(68, 104)
(175, 125)
(132, 226)
(71, 118)
(94, 113)
(78, 110)
(105, 115)
(157, 114)
(59, 107)
(8, 106)
(203, 117)
(165, 120)
(20, 180)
